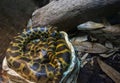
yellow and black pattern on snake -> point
(39, 53)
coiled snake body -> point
(39, 53)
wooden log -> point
(67, 14)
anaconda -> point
(39, 54)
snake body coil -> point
(39, 54)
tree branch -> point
(67, 14)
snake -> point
(38, 54)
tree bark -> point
(67, 14)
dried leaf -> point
(106, 55)
(109, 53)
(90, 47)
(90, 25)
(111, 72)
(108, 44)
(115, 29)
(77, 40)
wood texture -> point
(67, 14)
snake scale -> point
(39, 53)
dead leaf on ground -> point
(111, 72)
